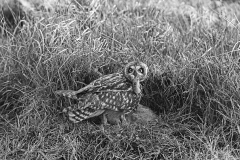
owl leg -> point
(111, 117)
(104, 119)
(127, 117)
(123, 119)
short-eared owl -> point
(120, 92)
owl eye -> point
(141, 70)
(130, 70)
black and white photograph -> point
(120, 80)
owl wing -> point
(112, 82)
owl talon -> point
(123, 120)
(104, 119)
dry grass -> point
(193, 85)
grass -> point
(193, 85)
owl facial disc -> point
(136, 72)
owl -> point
(116, 117)
(114, 93)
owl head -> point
(136, 72)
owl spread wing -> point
(97, 97)
(113, 82)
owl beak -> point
(135, 74)
(136, 86)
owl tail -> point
(67, 93)
(78, 115)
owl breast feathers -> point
(114, 92)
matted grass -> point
(193, 85)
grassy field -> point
(193, 85)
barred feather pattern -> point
(112, 92)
